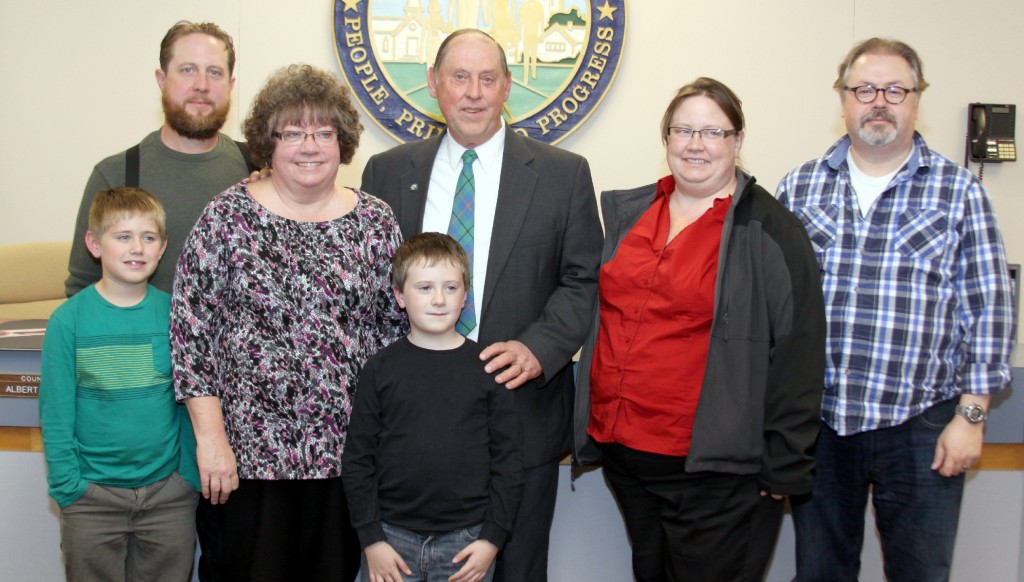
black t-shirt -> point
(434, 445)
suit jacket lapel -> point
(515, 191)
(415, 182)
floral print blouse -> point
(276, 317)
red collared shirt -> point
(657, 304)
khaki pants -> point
(145, 534)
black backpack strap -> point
(131, 166)
(131, 163)
(244, 149)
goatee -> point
(194, 126)
(880, 136)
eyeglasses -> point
(297, 137)
(868, 93)
(707, 134)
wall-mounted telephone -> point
(990, 129)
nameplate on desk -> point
(19, 385)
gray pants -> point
(147, 533)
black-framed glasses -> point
(292, 137)
(868, 93)
(706, 134)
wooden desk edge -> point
(995, 457)
(1001, 457)
(16, 438)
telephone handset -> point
(990, 131)
(979, 122)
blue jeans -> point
(429, 556)
(916, 509)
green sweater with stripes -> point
(106, 399)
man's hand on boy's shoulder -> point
(384, 563)
(479, 556)
(517, 363)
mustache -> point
(878, 114)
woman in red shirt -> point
(706, 363)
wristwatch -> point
(972, 412)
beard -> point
(195, 126)
(877, 136)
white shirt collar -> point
(488, 153)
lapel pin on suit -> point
(414, 187)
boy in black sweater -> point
(432, 464)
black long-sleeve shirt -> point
(434, 445)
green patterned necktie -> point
(461, 229)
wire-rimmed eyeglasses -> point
(292, 137)
(706, 134)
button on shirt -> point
(917, 294)
(657, 306)
(438, 210)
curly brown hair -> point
(299, 94)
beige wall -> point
(78, 84)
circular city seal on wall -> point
(562, 60)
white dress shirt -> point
(441, 195)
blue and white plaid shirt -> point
(917, 293)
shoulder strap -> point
(243, 148)
(131, 163)
(131, 166)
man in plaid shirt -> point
(920, 327)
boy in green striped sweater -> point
(119, 449)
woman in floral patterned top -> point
(281, 294)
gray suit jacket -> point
(542, 268)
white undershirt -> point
(441, 194)
(869, 188)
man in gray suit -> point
(536, 250)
